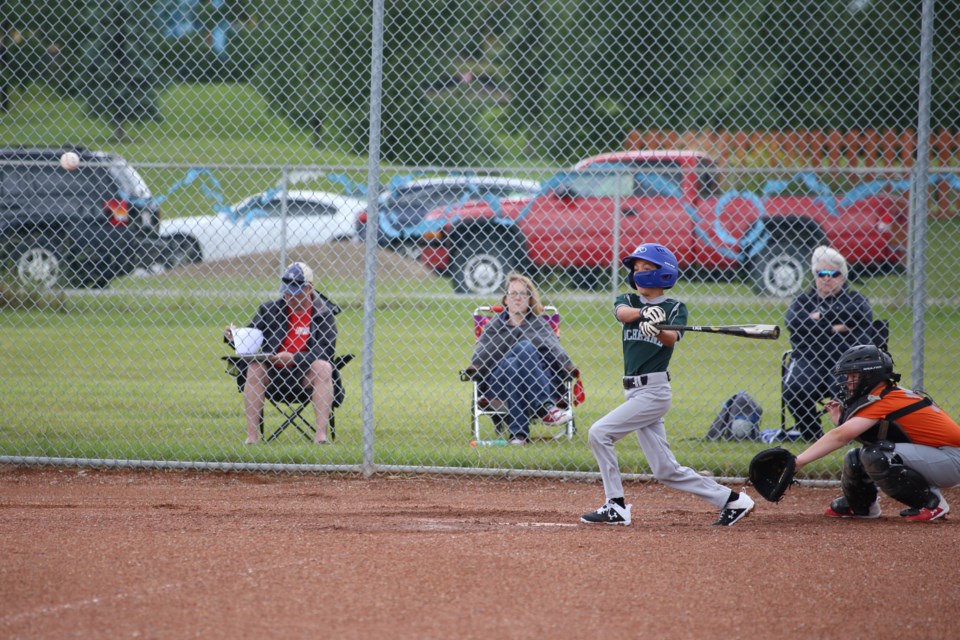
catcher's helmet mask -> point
(871, 364)
(663, 277)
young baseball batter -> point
(646, 381)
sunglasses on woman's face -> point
(828, 273)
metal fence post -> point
(370, 248)
(919, 197)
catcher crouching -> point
(910, 447)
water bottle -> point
(499, 442)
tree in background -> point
(841, 65)
(620, 65)
(527, 60)
(118, 79)
(295, 74)
(579, 75)
(315, 72)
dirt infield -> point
(90, 553)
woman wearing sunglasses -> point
(824, 322)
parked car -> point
(403, 205)
(257, 224)
(592, 216)
(82, 226)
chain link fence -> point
(163, 162)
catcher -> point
(910, 446)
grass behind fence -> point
(138, 375)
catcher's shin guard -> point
(858, 487)
(901, 483)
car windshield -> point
(592, 183)
(651, 178)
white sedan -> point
(257, 224)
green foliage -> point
(527, 63)
(316, 73)
(445, 131)
(24, 59)
(119, 81)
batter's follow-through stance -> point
(646, 382)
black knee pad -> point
(900, 482)
(858, 488)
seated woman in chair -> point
(823, 323)
(519, 360)
(300, 332)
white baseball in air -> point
(69, 161)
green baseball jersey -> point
(642, 354)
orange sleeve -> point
(930, 426)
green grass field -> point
(138, 375)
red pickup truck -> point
(592, 216)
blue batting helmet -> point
(663, 277)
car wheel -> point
(481, 271)
(38, 263)
(181, 250)
(779, 270)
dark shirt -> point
(273, 320)
(815, 340)
(499, 336)
(642, 354)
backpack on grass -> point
(739, 419)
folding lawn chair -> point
(483, 405)
(291, 403)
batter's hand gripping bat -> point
(759, 331)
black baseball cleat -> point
(609, 513)
(734, 511)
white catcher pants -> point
(642, 413)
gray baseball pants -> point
(938, 466)
(642, 413)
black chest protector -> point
(887, 427)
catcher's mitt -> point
(771, 472)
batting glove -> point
(649, 329)
(654, 315)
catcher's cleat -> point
(609, 513)
(925, 514)
(840, 508)
(733, 512)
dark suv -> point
(83, 227)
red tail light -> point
(362, 218)
(118, 212)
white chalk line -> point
(136, 593)
(171, 586)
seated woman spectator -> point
(824, 323)
(519, 360)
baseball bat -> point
(759, 331)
